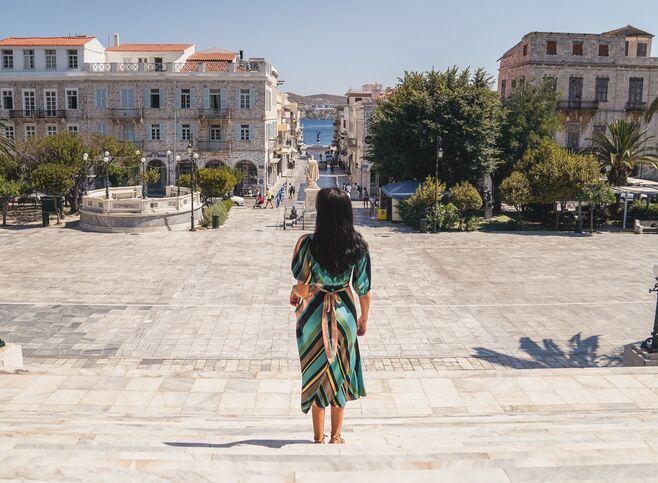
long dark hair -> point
(336, 245)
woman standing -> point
(327, 324)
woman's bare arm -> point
(362, 323)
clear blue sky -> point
(330, 46)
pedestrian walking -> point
(291, 192)
(327, 324)
(349, 191)
(366, 198)
(373, 205)
(268, 198)
(358, 191)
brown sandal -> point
(319, 440)
(336, 439)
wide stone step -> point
(150, 425)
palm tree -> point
(621, 147)
(6, 146)
(653, 109)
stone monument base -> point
(11, 357)
(311, 195)
(634, 355)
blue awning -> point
(401, 189)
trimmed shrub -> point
(472, 223)
(640, 211)
(218, 208)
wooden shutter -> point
(179, 132)
(251, 133)
(162, 97)
(237, 98)
(223, 101)
(252, 98)
(147, 97)
(177, 93)
(147, 134)
(192, 97)
(206, 98)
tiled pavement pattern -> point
(511, 300)
(143, 425)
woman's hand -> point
(361, 325)
(294, 298)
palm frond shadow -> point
(580, 353)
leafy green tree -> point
(515, 191)
(8, 189)
(529, 115)
(53, 179)
(466, 198)
(598, 193)
(557, 175)
(67, 149)
(216, 182)
(417, 205)
(458, 106)
(621, 147)
(7, 154)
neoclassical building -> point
(598, 77)
(160, 97)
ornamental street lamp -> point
(177, 161)
(85, 158)
(106, 160)
(144, 187)
(439, 157)
(193, 158)
(651, 344)
(168, 167)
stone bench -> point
(645, 226)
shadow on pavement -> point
(581, 353)
(266, 443)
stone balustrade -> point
(125, 210)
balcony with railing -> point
(636, 106)
(578, 105)
(175, 67)
(126, 113)
(215, 113)
(212, 146)
(37, 114)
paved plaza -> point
(172, 357)
(455, 300)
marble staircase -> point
(141, 425)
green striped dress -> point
(326, 330)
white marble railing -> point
(128, 199)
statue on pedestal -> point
(312, 189)
(312, 174)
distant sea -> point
(312, 127)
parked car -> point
(237, 200)
(633, 197)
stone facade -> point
(146, 102)
(599, 77)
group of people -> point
(361, 192)
(264, 202)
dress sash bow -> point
(331, 298)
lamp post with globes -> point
(193, 158)
(168, 168)
(85, 158)
(106, 161)
(439, 157)
(144, 187)
(177, 161)
(651, 344)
